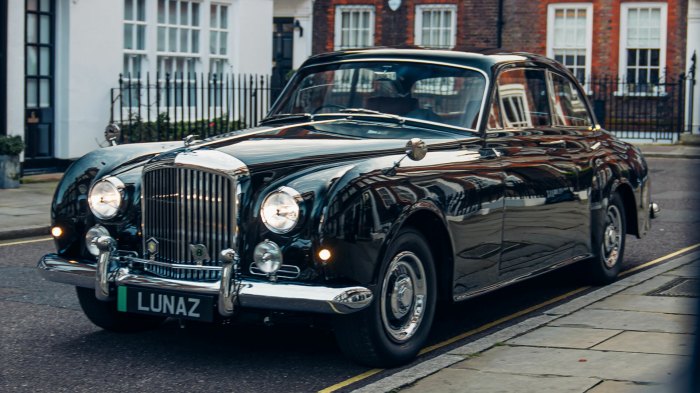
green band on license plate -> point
(121, 299)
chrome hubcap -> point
(612, 236)
(403, 296)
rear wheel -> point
(106, 316)
(609, 243)
(393, 329)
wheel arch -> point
(431, 225)
(629, 201)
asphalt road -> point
(46, 344)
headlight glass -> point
(105, 197)
(280, 210)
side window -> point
(568, 105)
(523, 98)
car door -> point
(537, 202)
(572, 119)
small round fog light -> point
(56, 232)
(267, 257)
(324, 254)
(90, 237)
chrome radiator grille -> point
(183, 207)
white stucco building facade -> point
(57, 81)
(693, 47)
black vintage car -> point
(381, 181)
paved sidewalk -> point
(671, 151)
(635, 335)
(26, 211)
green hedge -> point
(11, 145)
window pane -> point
(195, 14)
(631, 57)
(44, 61)
(214, 16)
(31, 5)
(195, 41)
(140, 37)
(128, 36)
(184, 15)
(45, 29)
(45, 6)
(654, 57)
(161, 11)
(32, 60)
(222, 43)
(172, 13)
(31, 28)
(161, 39)
(212, 42)
(224, 16)
(44, 93)
(32, 98)
(129, 9)
(643, 58)
(172, 39)
(184, 40)
(141, 10)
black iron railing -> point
(649, 111)
(174, 106)
(170, 107)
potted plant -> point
(10, 148)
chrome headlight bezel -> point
(278, 223)
(116, 188)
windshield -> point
(441, 94)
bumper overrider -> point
(111, 272)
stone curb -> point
(36, 230)
(421, 370)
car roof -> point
(483, 59)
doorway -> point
(282, 53)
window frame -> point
(551, 12)
(418, 27)
(581, 93)
(338, 24)
(497, 96)
(663, 29)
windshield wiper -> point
(287, 116)
(364, 111)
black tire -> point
(608, 242)
(106, 316)
(384, 335)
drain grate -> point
(680, 287)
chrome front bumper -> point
(233, 293)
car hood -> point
(323, 141)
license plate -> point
(164, 303)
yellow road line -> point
(659, 260)
(26, 241)
(497, 322)
(350, 381)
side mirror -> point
(112, 133)
(416, 149)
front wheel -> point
(106, 316)
(609, 243)
(395, 327)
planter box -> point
(9, 171)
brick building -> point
(642, 40)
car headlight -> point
(106, 197)
(280, 210)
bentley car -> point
(381, 182)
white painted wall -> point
(693, 45)
(301, 10)
(89, 57)
(15, 68)
(252, 36)
(89, 60)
